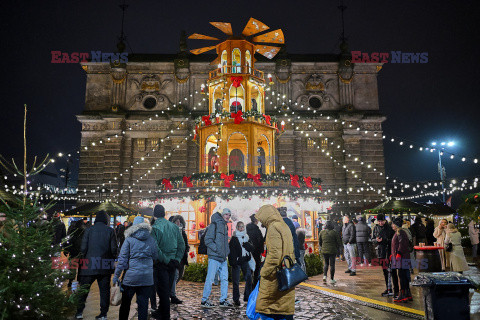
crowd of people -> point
(393, 244)
(152, 256)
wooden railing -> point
(236, 70)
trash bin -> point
(445, 295)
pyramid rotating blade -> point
(225, 27)
(275, 36)
(253, 27)
(201, 37)
(267, 51)
(202, 50)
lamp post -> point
(441, 169)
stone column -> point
(119, 76)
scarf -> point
(242, 238)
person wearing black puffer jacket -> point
(74, 245)
(291, 226)
(382, 235)
(99, 248)
(256, 237)
(240, 258)
(363, 233)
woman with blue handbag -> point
(271, 302)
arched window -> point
(236, 161)
(237, 146)
(256, 99)
(224, 62)
(248, 61)
(237, 98)
(261, 160)
(211, 158)
(218, 98)
(236, 61)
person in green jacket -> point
(330, 243)
(171, 248)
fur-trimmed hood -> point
(139, 231)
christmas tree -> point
(31, 285)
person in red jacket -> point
(400, 261)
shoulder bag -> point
(289, 277)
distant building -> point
(330, 98)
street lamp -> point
(441, 169)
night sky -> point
(423, 102)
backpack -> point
(202, 248)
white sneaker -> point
(324, 278)
(333, 281)
(79, 316)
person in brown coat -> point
(270, 301)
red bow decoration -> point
(294, 181)
(236, 81)
(267, 119)
(305, 246)
(167, 184)
(207, 120)
(202, 209)
(201, 225)
(192, 254)
(320, 187)
(310, 250)
(227, 179)
(237, 117)
(308, 181)
(255, 178)
(187, 181)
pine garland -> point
(241, 176)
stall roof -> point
(110, 208)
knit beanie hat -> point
(398, 222)
(101, 217)
(138, 219)
(159, 211)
